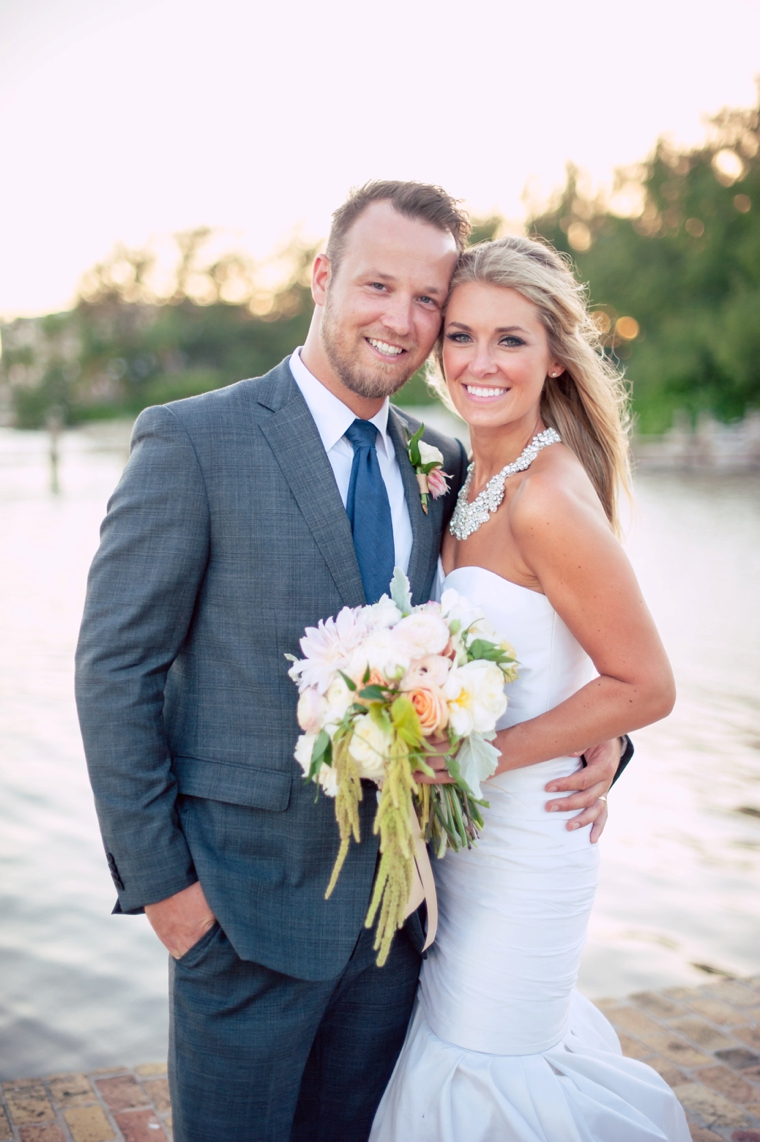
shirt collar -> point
(331, 416)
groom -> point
(242, 517)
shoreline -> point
(704, 1042)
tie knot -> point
(362, 434)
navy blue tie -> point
(369, 512)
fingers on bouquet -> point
(378, 684)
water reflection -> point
(680, 863)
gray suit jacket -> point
(224, 539)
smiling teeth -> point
(478, 392)
(384, 347)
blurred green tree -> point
(672, 259)
(131, 341)
(674, 272)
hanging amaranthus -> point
(382, 688)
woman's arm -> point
(564, 539)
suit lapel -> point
(423, 534)
(298, 450)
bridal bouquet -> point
(377, 685)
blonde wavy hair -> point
(588, 403)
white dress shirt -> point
(332, 418)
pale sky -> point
(126, 119)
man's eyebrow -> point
(379, 276)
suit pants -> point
(257, 1056)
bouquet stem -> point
(454, 819)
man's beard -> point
(362, 381)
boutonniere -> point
(427, 462)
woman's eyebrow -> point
(499, 329)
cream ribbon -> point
(423, 884)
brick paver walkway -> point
(704, 1041)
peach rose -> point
(375, 679)
(431, 708)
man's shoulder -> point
(227, 404)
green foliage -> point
(675, 282)
(685, 267)
(415, 391)
(130, 343)
(123, 347)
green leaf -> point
(476, 760)
(405, 721)
(379, 715)
(321, 754)
(367, 673)
(481, 648)
(348, 681)
(401, 592)
(414, 447)
(373, 693)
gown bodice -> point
(552, 663)
(501, 1045)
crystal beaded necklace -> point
(467, 518)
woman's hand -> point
(437, 762)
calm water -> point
(681, 864)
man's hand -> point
(181, 920)
(437, 762)
(593, 783)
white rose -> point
(475, 697)
(429, 454)
(327, 776)
(382, 614)
(328, 779)
(369, 747)
(422, 633)
(337, 700)
(304, 749)
(386, 654)
(455, 608)
(311, 710)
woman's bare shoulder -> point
(556, 493)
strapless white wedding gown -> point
(501, 1047)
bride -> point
(501, 1047)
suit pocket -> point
(235, 784)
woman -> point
(501, 1046)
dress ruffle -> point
(581, 1090)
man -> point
(228, 534)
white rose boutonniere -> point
(427, 462)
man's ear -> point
(320, 277)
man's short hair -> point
(419, 200)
